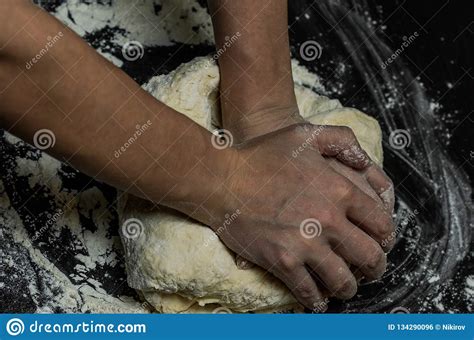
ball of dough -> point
(180, 265)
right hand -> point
(299, 218)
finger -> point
(299, 281)
(243, 263)
(360, 250)
(333, 271)
(356, 177)
(305, 290)
(382, 184)
(357, 274)
(341, 143)
(371, 217)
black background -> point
(442, 53)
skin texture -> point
(278, 243)
(93, 108)
(256, 69)
(257, 98)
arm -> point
(257, 91)
(93, 109)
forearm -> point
(97, 114)
(256, 81)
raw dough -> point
(180, 265)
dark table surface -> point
(439, 62)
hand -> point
(257, 99)
(334, 141)
(280, 197)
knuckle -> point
(389, 243)
(343, 188)
(386, 227)
(346, 288)
(348, 133)
(385, 176)
(376, 259)
(327, 217)
(389, 181)
(288, 262)
(305, 291)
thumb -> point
(341, 143)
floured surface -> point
(432, 238)
(58, 279)
(58, 228)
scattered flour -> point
(184, 21)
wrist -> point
(262, 122)
(199, 192)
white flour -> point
(177, 21)
(182, 21)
